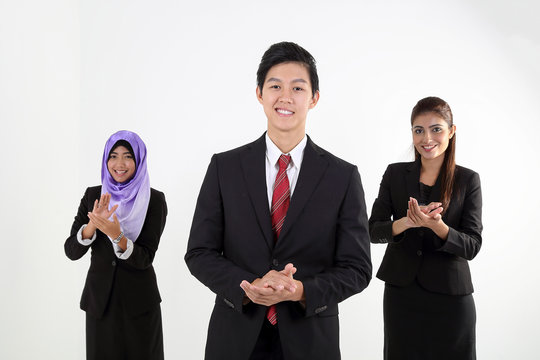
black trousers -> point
(268, 346)
(118, 336)
(421, 325)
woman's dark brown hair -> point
(440, 108)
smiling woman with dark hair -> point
(121, 221)
(430, 213)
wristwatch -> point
(117, 240)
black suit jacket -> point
(440, 266)
(325, 235)
(134, 279)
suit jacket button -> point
(421, 232)
(275, 262)
(419, 253)
(113, 263)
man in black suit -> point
(280, 230)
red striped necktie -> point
(281, 199)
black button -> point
(421, 232)
(275, 262)
(113, 263)
(419, 253)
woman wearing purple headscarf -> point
(121, 221)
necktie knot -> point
(284, 161)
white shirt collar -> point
(297, 154)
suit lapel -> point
(254, 170)
(313, 167)
(412, 178)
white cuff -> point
(121, 254)
(85, 242)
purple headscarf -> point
(132, 196)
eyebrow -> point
(431, 126)
(294, 81)
(124, 153)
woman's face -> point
(121, 164)
(431, 135)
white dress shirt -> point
(272, 166)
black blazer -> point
(325, 235)
(134, 279)
(440, 266)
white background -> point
(182, 75)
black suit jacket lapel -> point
(313, 167)
(254, 169)
(412, 179)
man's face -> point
(286, 97)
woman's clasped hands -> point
(99, 217)
(423, 216)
